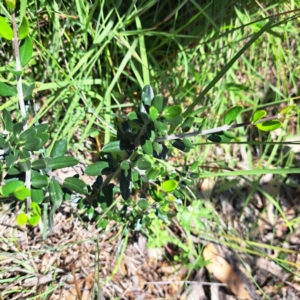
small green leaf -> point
(14, 71)
(17, 128)
(112, 147)
(44, 137)
(269, 125)
(161, 127)
(169, 185)
(76, 185)
(34, 220)
(63, 162)
(187, 124)
(28, 91)
(23, 29)
(33, 144)
(22, 193)
(7, 90)
(37, 195)
(144, 163)
(56, 193)
(35, 209)
(59, 148)
(152, 174)
(143, 204)
(5, 30)
(231, 115)
(171, 112)
(148, 148)
(125, 165)
(10, 187)
(147, 95)
(40, 181)
(175, 121)
(26, 49)
(258, 115)
(39, 164)
(27, 134)
(159, 102)
(287, 109)
(95, 169)
(101, 223)
(153, 113)
(7, 121)
(187, 143)
(21, 219)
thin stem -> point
(20, 96)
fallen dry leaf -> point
(223, 272)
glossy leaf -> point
(8, 188)
(37, 195)
(23, 29)
(40, 181)
(269, 125)
(59, 148)
(232, 114)
(63, 162)
(95, 169)
(21, 219)
(147, 95)
(56, 193)
(112, 147)
(258, 115)
(26, 49)
(5, 30)
(76, 185)
(7, 90)
(22, 193)
(169, 185)
(171, 112)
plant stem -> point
(20, 96)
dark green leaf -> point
(76, 185)
(95, 169)
(59, 148)
(7, 121)
(159, 102)
(27, 134)
(41, 128)
(63, 162)
(5, 30)
(11, 158)
(17, 128)
(269, 125)
(33, 144)
(187, 124)
(125, 165)
(10, 187)
(23, 29)
(171, 112)
(152, 174)
(125, 184)
(56, 193)
(40, 181)
(24, 165)
(44, 138)
(37, 195)
(231, 115)
(7, 90)
(39, 164)
(27, 91)
(147, 95)
(258, 115)
(112, 147)
(26, 51)
(144, 163)
(14, 71)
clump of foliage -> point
(137, 165)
